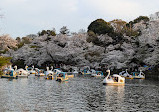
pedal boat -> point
(70, 75)
(126, 75)
(49, 74)
(21, 73)
(10, 73)
(97, 73)
(114, 79)
(86, 72)
(138, 75)
(40, 73)
(62, 77)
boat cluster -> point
(132, 75)
(59, 75)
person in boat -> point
(20, 73)
(115, 79)
(60, 75)
(98, 73)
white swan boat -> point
(56, 71)
(126, 75)
(114, 79)
(32, 71)
(21, 73)
(49, 74)
(139, 75)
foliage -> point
(144, 18)
(131, 32)
(137, 20)
(47, 32)
(100, 26)
(121, 27)
(3, 51)
(20, 45)
(64, 30)
(24, 40)
(118, 25)
(92, 37)
(4, 61)
(18, 39)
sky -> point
(24, 17)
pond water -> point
(79, 94)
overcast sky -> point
(23, 17)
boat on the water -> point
(9, 73)
(70, 75)
(31, 70)
(21, 73)
(49, 74)
(56, 71)
(114, 79)
(138, 75)
(86, 72)
(40, 73)
(126, 75)
(96, 73)
(62, 77)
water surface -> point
(79, 94)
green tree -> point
(47, 32)
(100, 26)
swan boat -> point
(138, 75)
(40, 73)
(114, 79)
(86, 72)
(56, 71)
(32, 71)
(126, 75)
(62, 77)
(9, 73)
(96, 73)
(21, 73)
(49, 74)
